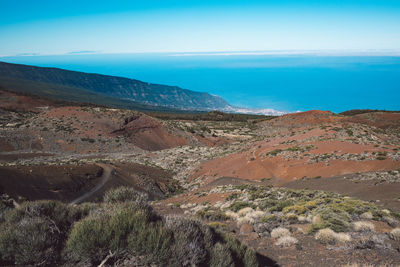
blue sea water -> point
(288, 83)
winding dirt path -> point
(107, 172)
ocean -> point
(281, 82)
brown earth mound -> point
(17, 102)
(378, 119)
(323, 149)
(311, 117)
(69, 182)
(239, 165)
(48, 182)
(148, 133)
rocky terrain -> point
(304, 189)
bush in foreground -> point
(131, 230)
(122, 230)
(123, 194)
(36, 232)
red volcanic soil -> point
(95, 123)
(255, 163)
(305, 118)
(16, 102)
(212, 141)
(239, 165)
(148, 133)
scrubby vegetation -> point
(123, 230)
(362, 111)
(35, 233)
(330, 217)
(209, 116)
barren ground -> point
(202, 168)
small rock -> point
(246, 229)
(261, 228)
(252, 236)
(389, 220)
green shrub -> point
(274, 152)
(297, 209)
(269, 218)
(260, 192)
(338, 221)
(295, 149)
(218, 226)
(232, 196)
(33, 241)
(250, 258)
(193, 241)
(221, 256)
(128, 229)
(6, 203)
(95, 236)
(122, 194)
(238, 205)
(212, 214)
(152, 240)
(280, 205)
(36, 232)
(241, 254)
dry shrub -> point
(279, 232)
(366, 216)
(362, 226)
(395, 234)
(328, 236)
(124, 194)
(286, 241)
(244, 211)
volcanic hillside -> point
(304, 189)
(311, 144)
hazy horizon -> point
(280, 82)
(282, 54)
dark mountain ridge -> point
(116, 87)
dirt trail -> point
(107, 172)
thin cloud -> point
(83, 52)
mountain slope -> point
(116, 87)
(80, 96)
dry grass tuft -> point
(395, 234)
(328, 236)
(286, 241)
(317, 219)
(280, 232)
(362, 226)
(245, 211)
(232, 214)
(366, 216)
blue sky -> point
(61, 27)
